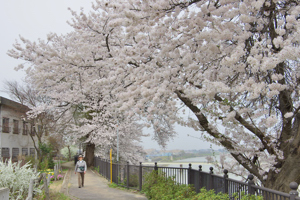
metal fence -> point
(132, 176)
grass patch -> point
(58, 196)
(114, 185)
(56, 185)
(53, 196)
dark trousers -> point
(80, 179)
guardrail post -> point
(48, 179)
(200, 178)
(99, 165)
(107, 169)
(55, 171)
(211, 179)
(140, 176)
(4, 193)
(46, 188)
(127, 175)
(250, 183)
(155, 166)
(30, 190)
(293, 192)
(104, 168)
(189, 174)
(225, 181)
(118, 173)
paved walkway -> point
(95, 187)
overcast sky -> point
(33, 19)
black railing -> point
(132, 176)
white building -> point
(14, 131)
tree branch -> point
(226, 142)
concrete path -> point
(96, 188)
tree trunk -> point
(69, 150)
(289, 170)
(89, 154)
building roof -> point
(14, 105)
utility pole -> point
(118, 149)
(118, 142)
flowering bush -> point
(59, 177)
(17, 178)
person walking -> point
(80, 169)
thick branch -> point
(226, 142)
(264, 140)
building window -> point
(15, 154)
(5, 125)
(16, 127)
(25, 151)
(25, 128)
(32, 152)
(5, 153)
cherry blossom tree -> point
(233, 64)
(78, 97)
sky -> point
(34, 19)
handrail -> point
(272, 191)
(210, 180)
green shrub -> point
(122, 183)
(44, 165)
(47, 157)
(97, 168)
(210, 195)
(31, 160)
(133, 180)
(248, 197)
(50, 162)
(158, 187)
